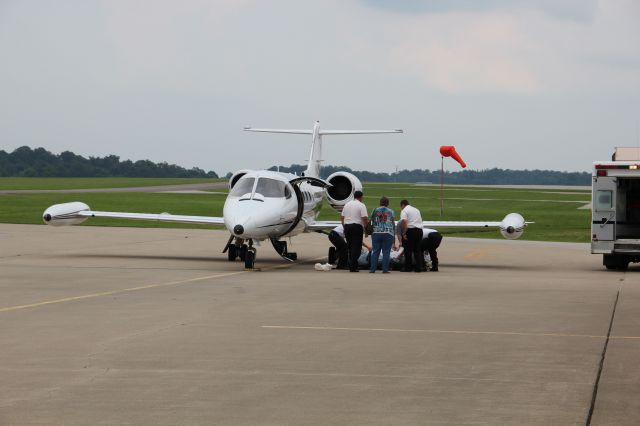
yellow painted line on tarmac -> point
(483, 252)
(124, 290)
(401, 330)
(142, 287)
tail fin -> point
(315, 158)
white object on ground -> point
(321, 267)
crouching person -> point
(338, 254)
(431, 240)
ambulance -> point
(615, 218)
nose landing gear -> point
(236, 249)
(247, 252)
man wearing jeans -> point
(384, 226)
(354, 220)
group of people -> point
(403, 245)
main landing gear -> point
(281, 249)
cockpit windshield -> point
(243, 186)
(272, 188)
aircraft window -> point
(271, 188)
(243, 186)
(287, 192)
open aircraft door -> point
(604, 208)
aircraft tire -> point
(249, 260)
(242, 252)
(231, 252)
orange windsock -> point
(450, 151)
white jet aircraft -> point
(263, 204)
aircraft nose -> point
(238, 229)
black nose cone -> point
(238, 230)
(47, 217)
(510, 230)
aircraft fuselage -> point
(264, 204)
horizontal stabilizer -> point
(358, 132)
(292, 131)
(323, 132)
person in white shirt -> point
(354, 219)
(431, 240)
(411, 225)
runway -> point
(154, 326)
(190, 187)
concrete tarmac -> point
(154, 326)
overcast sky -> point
(549, 84)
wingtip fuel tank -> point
(65, 214)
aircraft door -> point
(604, 208)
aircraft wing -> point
(511, 227)
(77, 212)
(162, 217)
(327, 225)
(322, 225)
(459, 224)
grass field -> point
(555, 212)
(93, 183)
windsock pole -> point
(442, 186)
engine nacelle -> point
(512, 226)
(236, 176)
(65, 214)
(343, 185)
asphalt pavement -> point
(155, 326)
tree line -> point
(493, 176)
(27, 162)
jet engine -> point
(65, 214)
(512, 226)
(237, 175)
(343, 185)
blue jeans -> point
(381, 241)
